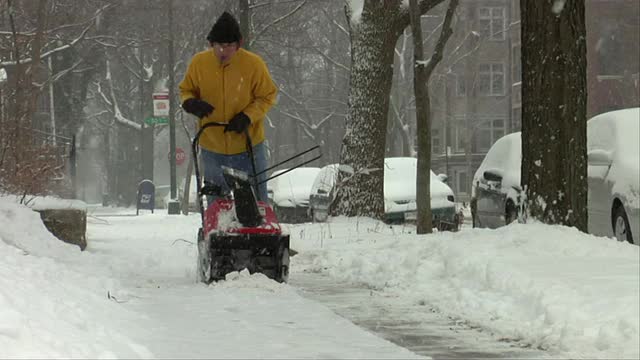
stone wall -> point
(68, 225)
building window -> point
(461, 87)
(491, 78)
(462, 182)
(491, 21)
(489, 131)
(460, 139)
(436, 142)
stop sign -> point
(180, 156)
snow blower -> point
(239, 232)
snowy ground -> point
(132, 293)
(548, 287)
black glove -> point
(239, 123)
(197, 107)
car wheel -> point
(511, 213)
(621, 228)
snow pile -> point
(544, 286)
(49, 306)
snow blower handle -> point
(194, 151)
(253, 159)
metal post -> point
(72, 165)
(173, 206)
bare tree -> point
(422, 75)
(374, 32)
(554, 99)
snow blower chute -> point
(238, 231)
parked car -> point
(321, 193)
(613, 177)
(496, 192)
(614, 174)
(289, 194)
(399, 194)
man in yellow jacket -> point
(228, 84)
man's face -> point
(224, 51)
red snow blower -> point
(239, 232)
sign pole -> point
(174, 205)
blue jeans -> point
(213, 162)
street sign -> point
(181, 156)
(160, 104)
(156, 120)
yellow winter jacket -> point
(243, 84)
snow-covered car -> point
(496, 191)
(400, 175)
(399, 194)
(321, 193)
(289, 193)
(613, 175)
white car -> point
(613, 174)
(289, 193)
(399, 194)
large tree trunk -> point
(554, 97)
(374, 34)
(373, 41)
(245, 26)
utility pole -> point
(174, 206)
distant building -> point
(613, 51)
(482, 101)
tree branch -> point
(276, 21)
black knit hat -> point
(225, 30)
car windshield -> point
(504, 157)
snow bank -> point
(48, 202)
(545, 286)
(47, 303)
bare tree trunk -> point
(422, 75)
(245, 26)
(423, 125)
(554, 111)
(360, 190)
